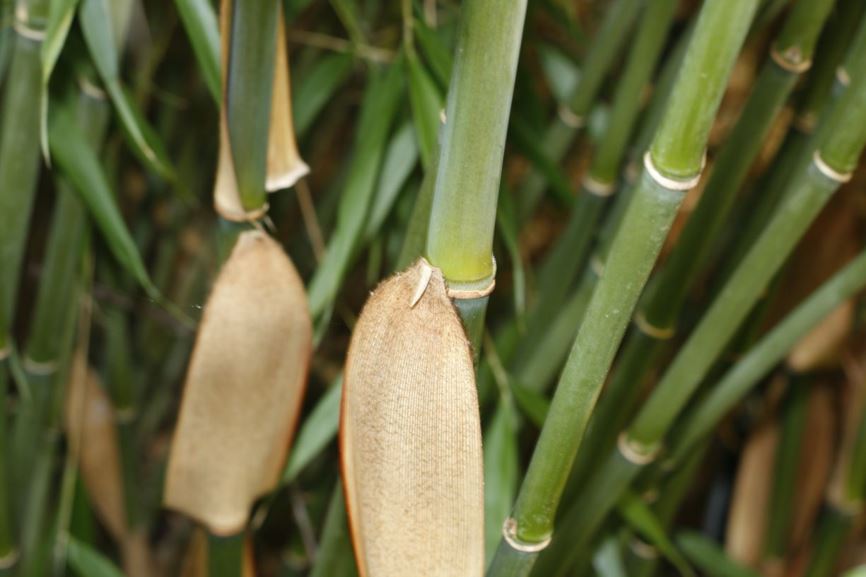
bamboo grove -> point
(353, 288)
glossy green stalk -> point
(248, 94)
(568, 256)
(561, 134)
(667, 292)
(463, 211)
(720, 32)
(808, 193)
(225, 555)
(19, 165)
(782, 498)
(765, 355)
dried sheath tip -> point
(410, 435)
(285, 166)
(243, 388)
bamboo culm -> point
(667, 291)
(672, 166)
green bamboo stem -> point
(835, 159)
(334, 557)
(766, 354)
(667, 292)
(225, 555)
(8, 546)
(568, 256)
(463, 211)
(248, 94)
(19, 163)
(785, 469)
(671, 492)
(673, 164)
(560, 136)
(833, 527)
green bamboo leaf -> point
(435, 52)
(140, 134)
(77, 159)
(506, 218)
(88, 561)
(427, 102)
(643, 520)
(500, 473)
(317, 88)
(96, 23)
(400, 158)
(608, 561)
(319, 429)
(60, 16)
(856, 572)
(532, 145)
(709, 557)
(561, 72)
(532, 404)
(377, 114)
(200, 22)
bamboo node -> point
(39, 367)
(473, 290)
(597, 187)
(124, 416)
(805, 123)
(241, 216)
(650, 330)
(509, 533)
(829, 171)
(670, 183)
(634, 452)
(842, 76)
(569, 118)
(643, 549)
(23, 28)
(423, 281)
(91, 89)
(288, 178)
(9, 559)
(791, 60)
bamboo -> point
(673, 164)
(568, 256)
(558, 138)
(831, 166)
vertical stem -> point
(225, 555)
(666, 294)
(672, 167)
(463, 211)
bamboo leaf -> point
(200, 23)
(709, 557)
(318, 430)
(60, 16)
(318, 88)
(96, 23)
(500, 472)
(77, 159)
(534, 405)
(435, 52)
(506, 218)
(400, 158)
(426, 103)
(608, 561)
(377, 113)
(88, 561)
(642, 519)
